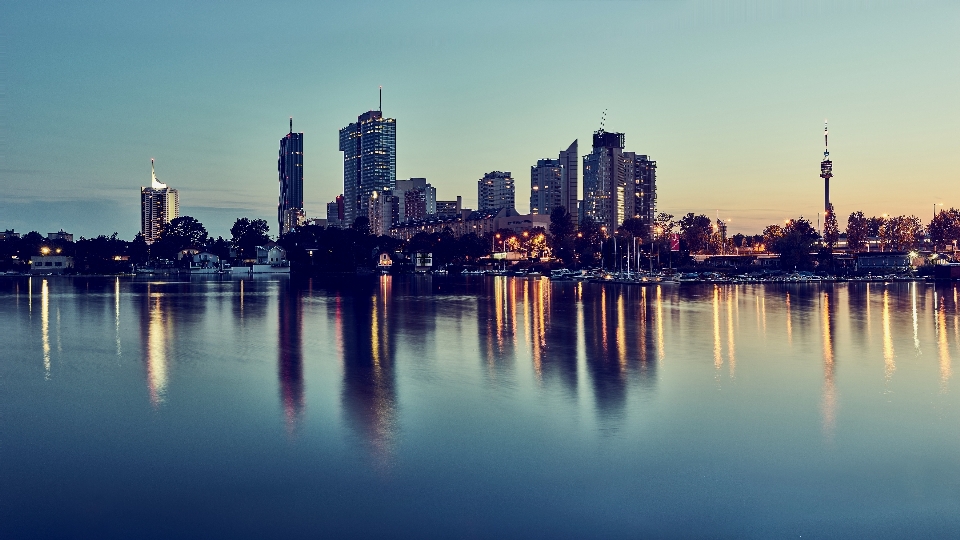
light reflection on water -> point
(403, 385)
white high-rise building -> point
(496, 190)
(159, 205)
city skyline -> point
(729, 102)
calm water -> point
(477, 408)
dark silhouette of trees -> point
(247, 234)
(831, 230)
(562, 234)
(944, 229)
(181, 233)
(858, 230)
(795, 243)
(695, 232)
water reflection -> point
(889, 365)
(829, 394)
(45, 326)
(155, 330)
(369, 380)
(559, 346)
(290, 352)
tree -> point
(361, 224)
(944, 228)
(771, 234)
(831, 231)
(858, 229)
(633, 228)
(663, 224)
(247, 234)
(695, 231)
(795, 244)
(187, 229)
(561, 224)
(561, 235)
(901, 233)
(588, 240)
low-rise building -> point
(50, 264)
(60, 235)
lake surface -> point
(477, 407)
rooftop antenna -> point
(381, 99)
(291, 124)
(826, 146)
(603, 120)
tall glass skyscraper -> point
(290, 169)
(618, 185)
(369, 148)
(159, 205)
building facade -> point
(496, 190)
(383, 211)
(617, 185)
(290, 168)
(159, 205)
(369, 148)
(569, 179)
(545, 186)
(422, 197)
(335, 213)
(450, 209)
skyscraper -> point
(618, 185)
(369, 148)
(545, 178)
(496, 190)
(569, 174)
(603, 181)
(422, 197)
(159, 205)
(290, 168)
(335, 213)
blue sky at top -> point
(728, 96)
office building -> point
(382, 211)
(290, 168)
(159, 205)
(450, 209)
(569, 179)
(369, 148)
(422, 195)
(545, 186)
(335, 213)
(496, 190)
(617, 185)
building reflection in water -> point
(942, 345)
(45, 326)
(829, 395)
(619, 341)
(155, 333)
(557, 349)
(496, 319)
(290, 351)
(365, 319)
(889, 364)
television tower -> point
(826, 170)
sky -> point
(729, 97)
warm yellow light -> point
(45, 250)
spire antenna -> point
(381, 99)
(291, 124)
